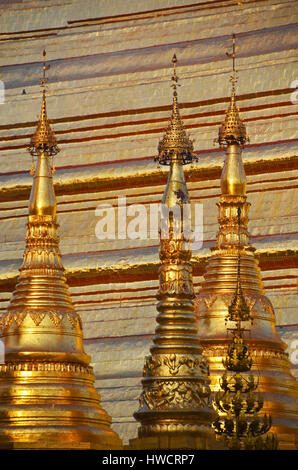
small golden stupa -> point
(47, 394)
(240, 423)
(270, 359)
(175, 405)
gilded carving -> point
(173, 364)
(74, 319)
(256, 351)
(172, 427)
(266, 304)
(176, 280)
(168, 394)
(209, 300)
(37, 316)
(45, 366)
(175, 250)
(18, 317)
(227, 299)
(250, 300)
(56, 317)
(5, 320)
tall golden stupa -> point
(270, 359)
(175, 404)
(47, 394)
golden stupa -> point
(47, 394)
(270, 359)
(240, 422)
(175, 404)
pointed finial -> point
(45, 67)
(232, 130)
(233, 78)
(174, 76)
(175, 144)
(43, 140)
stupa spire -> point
(233, 261)
(232, 130)
(175, 143)
(175, 403)
(47, 393)
(43, 145)
(43, 138)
